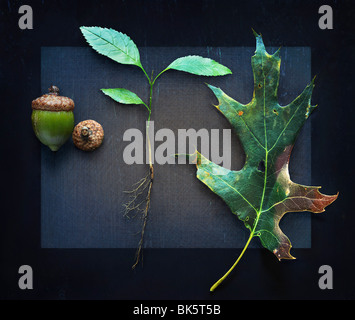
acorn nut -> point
(88, 135)
(53, 118)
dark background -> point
(177, 273)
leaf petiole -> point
(235, 263)
(159, 75)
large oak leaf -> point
(262, 191)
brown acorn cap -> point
(52, 101)
(88, 135)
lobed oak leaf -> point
(262, 191)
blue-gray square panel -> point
(82, 194)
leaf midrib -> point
(258, 214)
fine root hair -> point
(138, 205)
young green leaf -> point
(123, 96)
(113, 44)
(199, 66)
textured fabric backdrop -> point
(82, 193)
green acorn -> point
(53, 118)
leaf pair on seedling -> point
(120, 48)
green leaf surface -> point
(199, 66)
(113, 44)
(123, 96)
(262, 192)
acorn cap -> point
(52, 101)
(88, 135)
